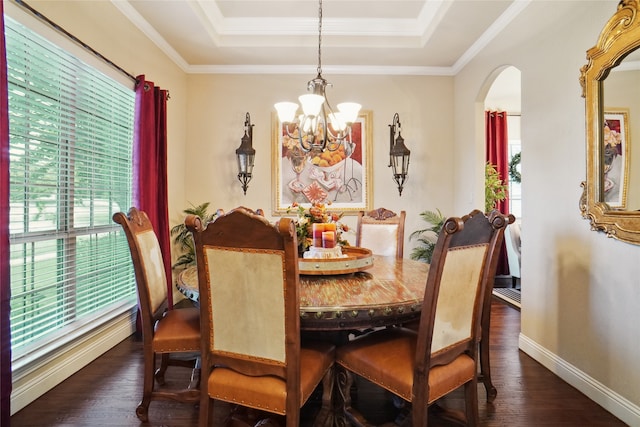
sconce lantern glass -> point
(399, 154)
(246, 155)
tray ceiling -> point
(358, 36)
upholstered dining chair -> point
(164, 332)
(442, 355)
(381, 231)
(250, 318)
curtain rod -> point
(506, 113)
(74, 38)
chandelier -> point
(318, 128)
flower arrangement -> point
(316, 213)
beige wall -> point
(216, 113)
(580, 296)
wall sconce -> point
(398, 154)
(246, 155)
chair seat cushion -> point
(178, 331)
(268, 393)
(386, 357)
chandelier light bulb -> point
(286, 111)
(349, 111)
(311, 104)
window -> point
(515, 189)
(71, 133)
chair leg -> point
(164, 363)
(419, 414)
(142, 411)
(485, 370)
(485, 363)
(471, 403)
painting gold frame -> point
(343, 180)
(616, 140)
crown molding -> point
(326, 69)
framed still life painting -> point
(616, 157)
(342, 177)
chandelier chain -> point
(319, 129)
(320, 39)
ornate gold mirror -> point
(611, 87)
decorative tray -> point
(356, 259)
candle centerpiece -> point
(319, 232)
(324, 242)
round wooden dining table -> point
(389, 292)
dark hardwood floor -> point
(106, 392)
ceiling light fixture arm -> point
(319, 128)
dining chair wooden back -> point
(164, 331)
(421, 367)
(250, 318)
(258, 211)
(381, 231)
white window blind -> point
(71, 134)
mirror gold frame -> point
(619, 37)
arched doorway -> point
(504, 94)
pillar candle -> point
(328, 239)
(317, 229)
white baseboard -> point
(51, 371)
(622, 408)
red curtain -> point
(497, 147)
(150, 165)
(5, 277)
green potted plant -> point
(182, 236)
(427, 237)
(495, 190)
